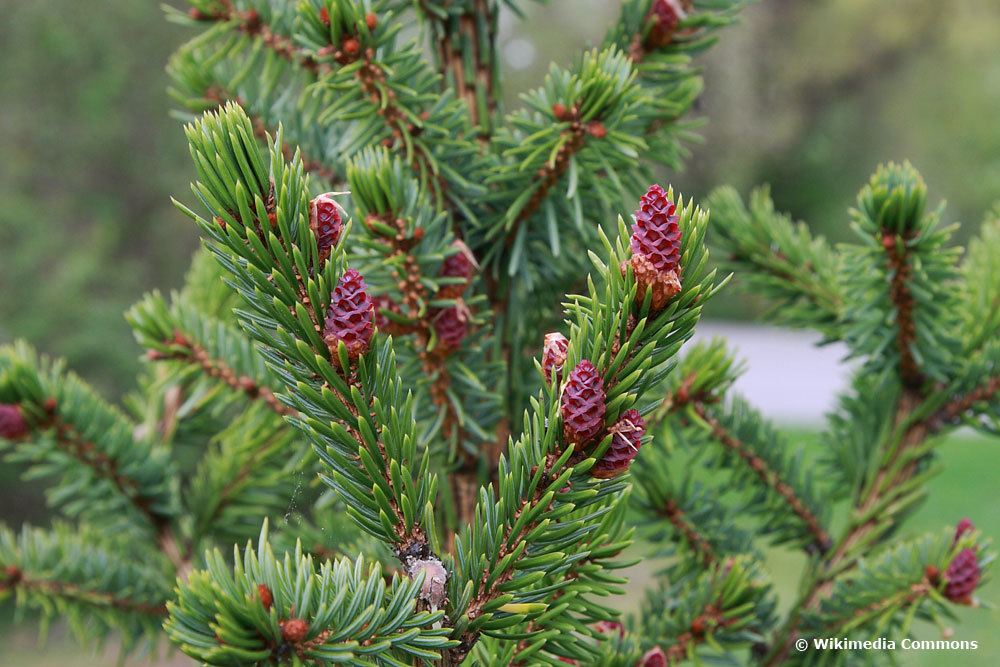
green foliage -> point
(892, 224)
(892, 590)
(726, 608)
(102, 472)
(355, 614)
(779, 260)
(99, 584)
(511, 560)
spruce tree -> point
(426, 377)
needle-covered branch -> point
(902, 272)
(735, 437)
(661, 37)
(726, 608)
(314, 322)
(696, 525)
(99, 584)
(102, 471)
(779, 261)
(201, 345)
(266, 610)
(463, 38)
(918, 580)
(550, 491)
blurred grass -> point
(967, 486)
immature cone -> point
(351, 317)
(611, 628)
(625, 442)
(964, 526)
(654, 657)
(554, 356)
(433, 590)
(325, 223)
(266, 597)
(451, 325)
(656, 248)
(583, 404)
(13, 426)
(294, 630)
(664, 15)
(962, 576)
(460, 265)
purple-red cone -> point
(462, 265)
(451, 325)
(654, 657)
(964, 526)
(351, 317)
(626, 439)
(611, 628)
(656, 248)
(325, 223)
(554, 356)
(583, 404)
(664, 16)
(962, 577)
(13, 425)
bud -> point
(611, 628)
(294, 630)
(13, 425)
(433, 590)
(350, 317)
(664, 16)
(266, 598)
(964, 526)
(326, 224)
(625, 442)
(583, 404)
(554, 356)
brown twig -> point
(903, 300)
(767, 475)
(15, 578)
(455, 35)
(673, 513)
(218, 369)
(549, 175)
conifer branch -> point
(672, 512)
(16, 579)
(779, 260)
(102, 583)
(253, 25)
(468, 28)
(902, 299)
(220, 97)
(766, 474)
(192, 352)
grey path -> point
(788, 378)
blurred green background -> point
(808, 95)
